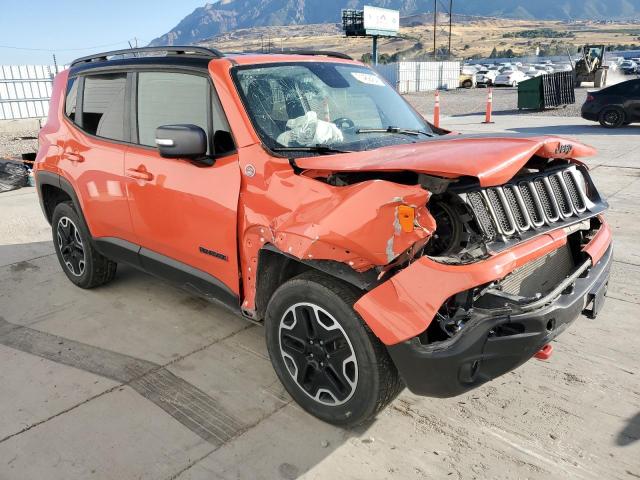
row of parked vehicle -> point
(506, 74)
(628, 67)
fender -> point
(44, 177)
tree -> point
(494, 53)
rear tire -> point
(612, 117)
(325, 355)
(81, 262)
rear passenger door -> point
(184, 214)
(92, 153)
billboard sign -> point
(381, 21)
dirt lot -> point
(141, 380)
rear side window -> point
(166, 98)
(103, 105)
(72, 96)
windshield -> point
(344, 107)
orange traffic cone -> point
(436, 111)
(487, 117)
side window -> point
(166, 98)
(103, 105)
(170, 98)
(71, 98)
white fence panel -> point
(25, 90)
(410, 77)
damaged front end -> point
(518, 263)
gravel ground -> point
(15, 144)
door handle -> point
(74, 157)
(139, 174)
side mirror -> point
(181, 141)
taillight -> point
(590, 98)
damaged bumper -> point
(493, 344)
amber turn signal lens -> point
(406, 217)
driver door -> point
(184, 214)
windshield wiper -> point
(401, 131)
(321, 149)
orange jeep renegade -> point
(300, 190)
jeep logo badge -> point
(563, 149)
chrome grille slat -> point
(498, 212)
(534, 208)
(507, 209)
(562, 197)
(476, 200)
(549, 209)
(578, 197)
(535, 203)
(518, 208)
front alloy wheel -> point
(323, 353)
(318, 354)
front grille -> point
(539, 202)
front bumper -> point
(493, 343)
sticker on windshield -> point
(368, 78)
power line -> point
(50, 50)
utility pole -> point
(55, 64)
(435, 20)
(375, 50)
(450, 25)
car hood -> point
(493, 160)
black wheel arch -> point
(276, 267)
(53, 189)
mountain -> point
(226, 15)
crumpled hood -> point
(494, 160)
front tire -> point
(81, 262)
(325, 355)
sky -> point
(75, 28)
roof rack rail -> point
(172, 50)
(325, 53)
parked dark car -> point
(614, 106)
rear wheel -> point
(467, 84)
(82, 264)
(612, 117)
(325, 356)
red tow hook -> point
(545, 352)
